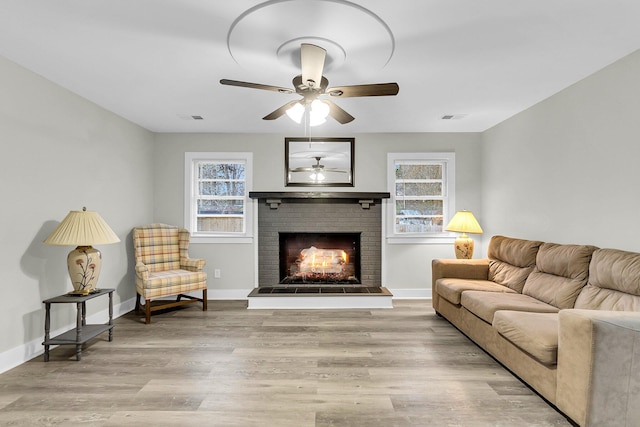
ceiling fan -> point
(311, 85)
(318, 168)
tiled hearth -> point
(320, 290)
(319, 212)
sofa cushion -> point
(451, 289)
(596, 298)
(560, 273)
(485, 304)
(511, 260)
(534, 333)
(614, 282)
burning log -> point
(315, 265)
(325, 261)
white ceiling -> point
(159, 62)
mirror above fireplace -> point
(319, 162)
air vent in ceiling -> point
(190, 117)
(453, 116)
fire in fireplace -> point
(319, 258)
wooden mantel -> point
(275, 198)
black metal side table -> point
(83, 332)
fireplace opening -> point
(319, 258)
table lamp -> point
(464, 222)
(83, 229)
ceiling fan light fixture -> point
(317, 176)
(296, 112)
(316, 121)
(311, 84)
(318, 112)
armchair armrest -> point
(142, 271)
(599, 366)
(192, 264)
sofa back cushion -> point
(614, 282)
(511, 260)
(560, 273)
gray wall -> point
(406, 267)
(566, 170)
(60, 153)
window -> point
(422, 187)
(217, 206)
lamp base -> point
(464, 247)
(84, 264)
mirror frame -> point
(338, 151)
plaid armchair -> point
(163, 268)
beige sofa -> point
(563, 318)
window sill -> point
(221, 239)
(420, 240)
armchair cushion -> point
(172, 282)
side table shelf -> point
(83, 332)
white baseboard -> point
(228, 294)
(242, 294)
(23, 353)
(399, 293)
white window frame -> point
(191, 193)
(449, 178)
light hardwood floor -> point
(231, 366)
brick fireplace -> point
(320, 217)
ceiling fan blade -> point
(312, 62)
(280, 111)
(255, 86)
(377, 89)
(338, 113)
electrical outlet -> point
(216, 273)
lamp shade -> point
(464, 222)
(82, 228)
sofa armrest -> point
(474, 269)
(599, 367)
(192, 264)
